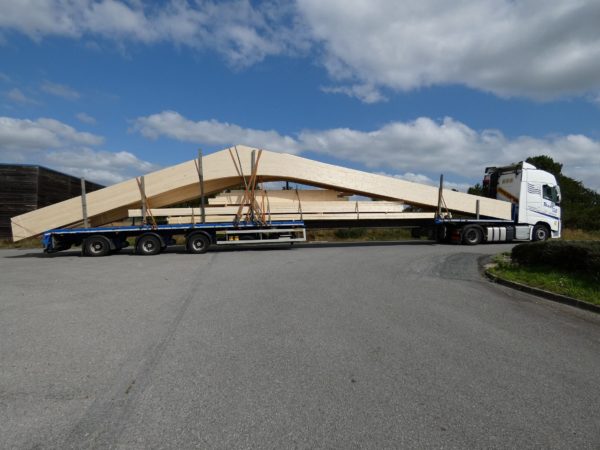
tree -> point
(476, 190)
(546, 163)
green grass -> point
(572, 234)
(25, 243)
(579, 286)
(359, 234)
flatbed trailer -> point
(152, 239)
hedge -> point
(569, 256)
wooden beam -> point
(312, 207)
(319, 217)
(306, 195)
(180, 183)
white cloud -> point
(60, 90)
(510, 48)
(423, 146)
(243, 32)
(208, 132)
(4, 78)
(23, 135)
(109, 167)
(85, 118)
(364, 92)
(92, 159)
(17, 96)
(503, 46)
(60, 146)
(424, 179)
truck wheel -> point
(148, 245)
(541, 232)
(96, 246)
(197, 243)
(472, 236)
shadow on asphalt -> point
(237, 248)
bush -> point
(568, 256)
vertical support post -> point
(201, 177)
(477, 209)
(86, 222)
(143, 195)
(251, 188)
(439, 205)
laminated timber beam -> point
(316, 217)
(305, 195)
(308, 207)
(179, 183)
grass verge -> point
(578, 286)
(360, 234)
(573, 234)
(25, 243)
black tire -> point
(197, 243)
(472, 235)
(96, 246)
(148, 244)
(541, 232)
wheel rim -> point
(472, 236)
(198, 244)
(149, 246)
(541, 234)
(97, 247)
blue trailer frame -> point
(276, 231)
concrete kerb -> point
(484, 263)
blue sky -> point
(110, 89)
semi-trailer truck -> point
(534, 195)
(536, 216)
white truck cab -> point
(535, 196)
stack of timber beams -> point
(278, 207)
(235, 197)
(180, 183)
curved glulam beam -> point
(180, 183)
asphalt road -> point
(377, 346)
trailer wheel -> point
(197, 243)
(541, 232)
(149, 244)
(96, 246)
(472, 235)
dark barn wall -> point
(18, 194)
(24, 188)
(54, 187)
